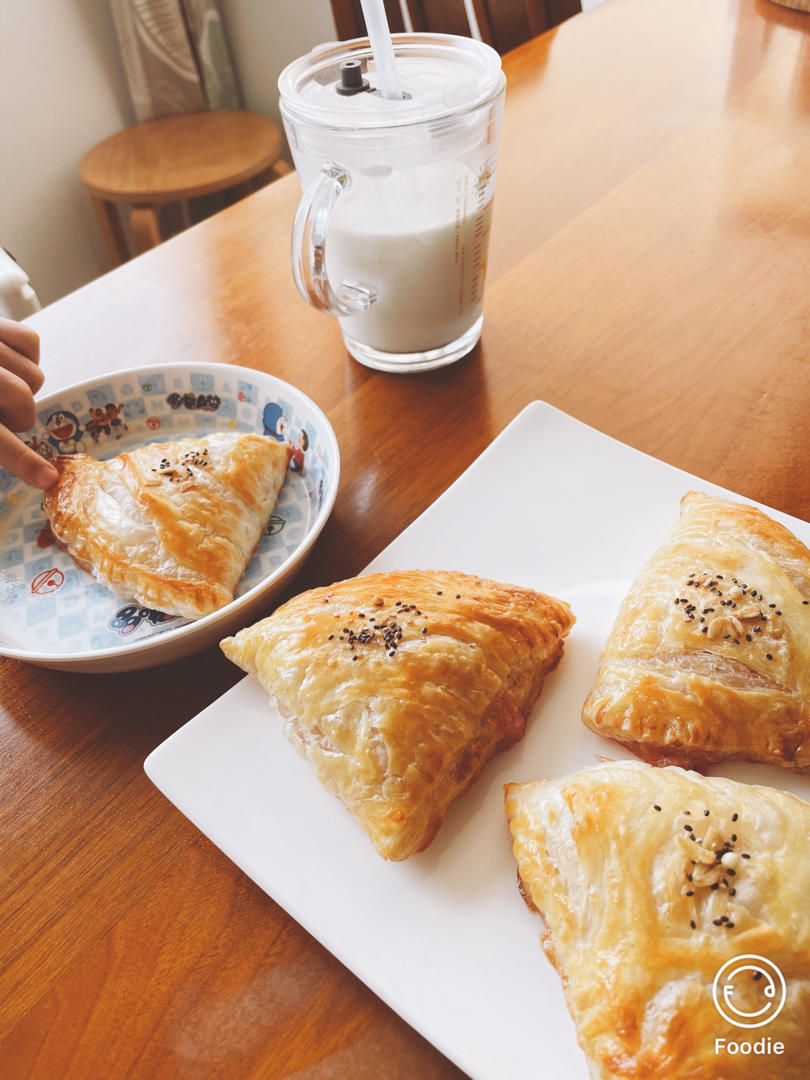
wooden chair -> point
(504, 24)
(153, 171)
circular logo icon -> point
(47, 582)
(739, 1009)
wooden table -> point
(648, 274)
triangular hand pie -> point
(399, 687)
(709, 657)
(171, 525)
(649, 882)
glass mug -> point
(392, 231)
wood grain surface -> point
(647, 274)
(180, 157)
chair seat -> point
(181, 157)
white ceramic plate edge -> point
(519, 973)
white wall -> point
(62, 90)
(265, 35)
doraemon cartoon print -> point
(275, 422)
(65, 432)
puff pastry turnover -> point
(709, 657)
(398, 687)
(171, 525)
(649, 881)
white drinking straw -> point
(383, 51)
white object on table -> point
(18, 299)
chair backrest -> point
(503, 24)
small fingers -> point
(20, 378)
(21, 366)
(25, 462)
(21, 338)
(17, 409)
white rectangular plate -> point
(445, 937)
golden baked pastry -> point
(649, 882)
(399, 687)
(170, 525)
(709, 657)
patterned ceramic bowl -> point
(54, 614)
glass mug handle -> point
(309, 247)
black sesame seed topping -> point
(692, 923)
(734, 817)
(656, 807)
(705, 813)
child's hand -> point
(20, 378)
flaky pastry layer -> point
(709, 657)
(649, 881)
(170, 525)
(398, 687)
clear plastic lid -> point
(440, 74)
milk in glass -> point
(425, 259)
(392, 231)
